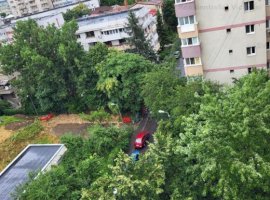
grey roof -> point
(32, 159)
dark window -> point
(226, 8)
(249, 5)
(228, 30)
(250, 28)
(231, 71)
(249, 70)
(90, 34)
(230, 51)
(267, 45)
(78, 36)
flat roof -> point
(33, 158)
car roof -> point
(141, 134)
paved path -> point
(146, 124)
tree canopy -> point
(139, 43)
(76, 12)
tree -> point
(169, 17)
(138, 41)
(161, 30)
(49, 61)
(76, 12)
(225, 147)
(120, 78)
(3, 15)
(143, 180)
(159, 88)
(3, 106)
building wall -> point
(110, 29)
(223, 53)
(4, 7)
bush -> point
(5, 120)
(28, 132)
(11, 111)
(96, 116)
(3, 105)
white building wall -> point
(113, 23)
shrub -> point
(28, 132)
(96, 116)
(5, 120)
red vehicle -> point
(46, 117)
(141, 139)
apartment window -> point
(90, 34)
(228, 30)
(267, 45)
(186, 20)
(182, 1)
(231, 71)
(249, 5)
(78, 36)
(190, 41)
(192, 61)
(267, 2)
(250, 28)
(268, 65)
(226, 8)
(230, 51)
(249, 70)
(251, 51)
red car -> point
(141, 139)
(46, 117)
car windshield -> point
(139, 140)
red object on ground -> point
(127, 120)
(141, 139)
(46, 117)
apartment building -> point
(223, 40)
(108, 25)
(4, 7)
(21, 8)
(53, 16)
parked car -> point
(141, 139)
(46, 117)
(135, 155)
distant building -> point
(53, 16)
(108, 25)
(4, 8)
(152, 5)
(21, 8)
(224, 40)
(7, 92)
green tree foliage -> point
(225, 146)
(169, 17)
(76, 12)
(3, 106)
(50, 63)
(85, 161)
(162, 31)
(143, 180)
(120, 78)
(138, 41)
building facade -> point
(109, 27)
(53, 16)
(223, 40)
(4, 7)
(21, 8)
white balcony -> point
(187, 28)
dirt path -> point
(4, 134)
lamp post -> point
(164, 112)
(114, 104)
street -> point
(146, 124)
